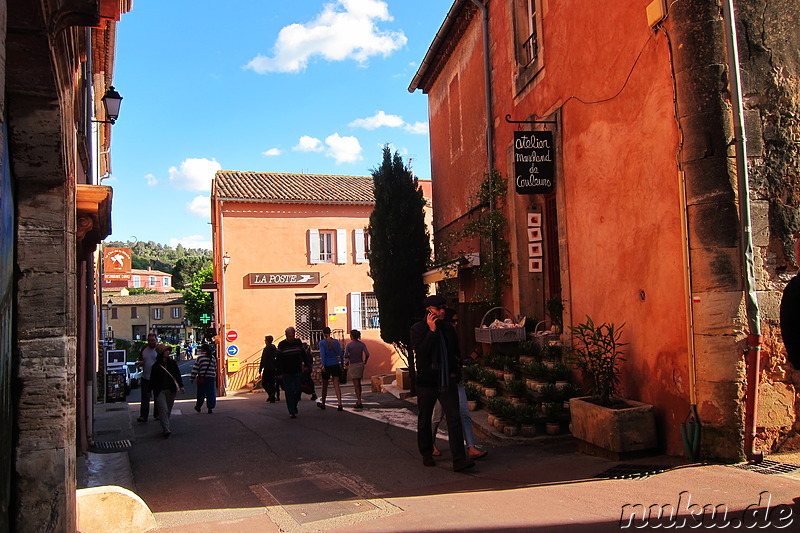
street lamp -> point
(226, 260)
(111, 102)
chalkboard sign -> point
(534, 166)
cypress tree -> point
(399, 251)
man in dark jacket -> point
(289, 362)
(269, 377)
(790, 315)
(438, 361)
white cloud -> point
(309, 144)
(192, 241)
(194, 174)
(200, 206)
(346, 29)
(417, 128)
(377, 120)
(381, 119)
(343, 149)
(272, 152)
(151, 180)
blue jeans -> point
(291, 386)
(207, 391)
(466, 417)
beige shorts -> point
(356, 371)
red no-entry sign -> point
(231, 336)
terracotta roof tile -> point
(293, 188)
(162, 298)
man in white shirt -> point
(147, 359)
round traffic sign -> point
(233, 350)
(231, 335)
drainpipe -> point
(487, 80)
(754, 338)
(487, 75)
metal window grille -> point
(370, 318)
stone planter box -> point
(402, 378)
(629, 429)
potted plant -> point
(495, 406)
(489, 381)
(538, 373)
(602, 419)
(508, 417)
(472, 396)
(496, 362)
(527, 417)
(559, 374)
(552, 353)
(518, 391)
(529, 351)
(555, 310)
(555, 414)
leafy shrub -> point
(517, 388)
(472, 392)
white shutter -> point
(313, 246)
(341, 246)
(355, 310)
(358, 245)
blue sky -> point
(301, 86)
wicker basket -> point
(496, 335)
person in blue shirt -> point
(332, 359)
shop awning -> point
(450, 269)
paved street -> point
(248, 465)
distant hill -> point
(159, 256)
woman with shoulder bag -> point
(331, 357)
(356, 356)
(205, 372)
(166, 381)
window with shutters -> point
(176, 312)
(327, 246)
(157, 313)
(528, 31)
(364, 311)
(370, 318)
(134, 312)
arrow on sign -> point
(303, 278)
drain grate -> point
(113, 445)
(630, 471)
(771, 468)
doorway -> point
(309, 317)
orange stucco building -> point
(291, 250)
(637, 221)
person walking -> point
(147, 358)
(289, 362)
(269, 378)
(356, 356)
(332, 359)
(166, 381)
(435, 344)
(204, 372)
(790, 315)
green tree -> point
(399, 252)
(185, 269)
(197, 302)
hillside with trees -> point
(181, 262)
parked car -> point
(134, 375)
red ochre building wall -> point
(621, 226)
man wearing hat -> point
(435, 345)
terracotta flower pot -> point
(489, 393)
(528, 430)
(472, 405)
(553, 428)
